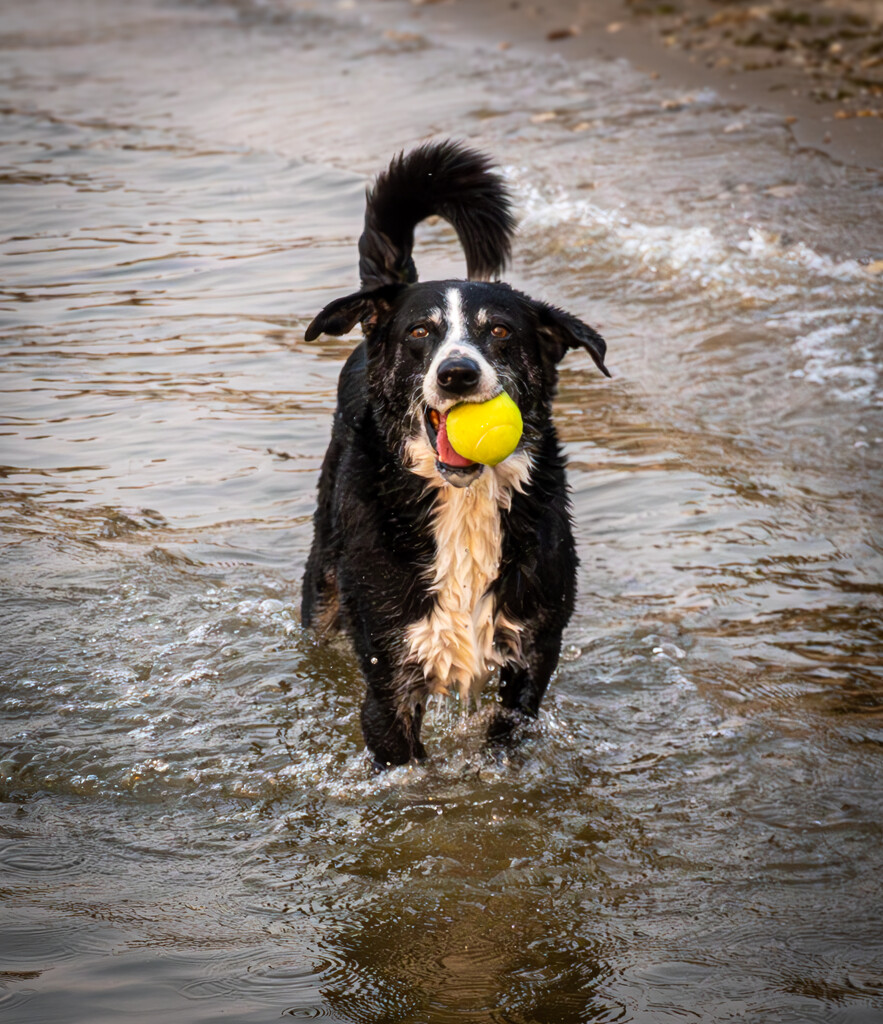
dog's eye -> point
(500, 332)
(419, 332)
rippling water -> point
(189, 826)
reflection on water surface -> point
(189, 827)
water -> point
(189, 827)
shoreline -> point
(817, 66)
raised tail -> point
(442, 179)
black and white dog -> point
(442, 571)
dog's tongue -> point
(446, 453)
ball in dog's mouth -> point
(456, 469)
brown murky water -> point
(189, 828)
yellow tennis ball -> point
(486, 432)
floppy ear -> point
(563, 332)
(342, 315)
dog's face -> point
(452, 341)
(436, 344)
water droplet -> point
(669, 650)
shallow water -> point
(189, 827)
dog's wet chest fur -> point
(454, 645)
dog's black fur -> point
(388, 503)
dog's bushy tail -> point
(444, 179)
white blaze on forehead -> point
(457, 329)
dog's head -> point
(433, 345)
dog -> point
(443, 571)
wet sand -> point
(817, 65)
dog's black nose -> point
(459, 375)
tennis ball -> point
(486, 432)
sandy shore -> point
(817, 63)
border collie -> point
(443, 571)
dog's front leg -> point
(523, 685)
(390, 720)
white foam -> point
(826, 309)
(857, 379)
(758, 266)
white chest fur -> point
(454, 643)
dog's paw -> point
(507, 728)
(379, 766)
